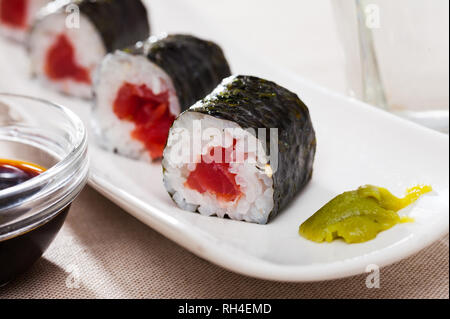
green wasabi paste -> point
(358, 216)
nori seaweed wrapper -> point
(255, 103)
(195, 66)
(120, 23)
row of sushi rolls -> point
(146, 90)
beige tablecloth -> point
(103, 252)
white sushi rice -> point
(253, 175)
(116, 69)
(20, 34)
(88, 46)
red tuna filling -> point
(149, 112)
(61, 64)
(14, 13)
(215, 178)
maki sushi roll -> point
(245, 151)
(16, 16)
(70, 38)
(141, 90)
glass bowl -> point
(32, 213)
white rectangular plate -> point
(357, 145)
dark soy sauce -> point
(18, 253)
(13, 173)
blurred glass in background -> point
(397, 55)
